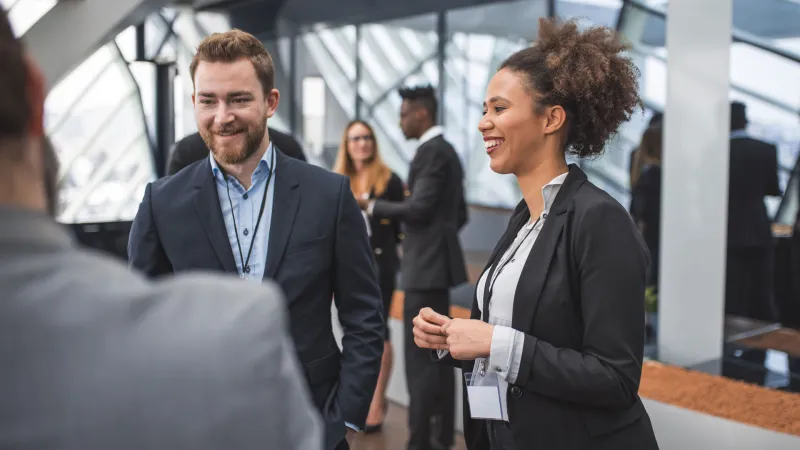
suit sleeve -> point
(463, 212)
(611, 261)
(145, 252)
(773, 185)
(396, 193)
(429, 187)
(358, 299)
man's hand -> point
(428, 329)
(468, 338)
(363, 203)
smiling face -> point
(513, 131)
(360, 143)
(231, 109)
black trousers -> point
(749, 283)
(500, 437)
(431, 386)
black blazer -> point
(318, 252)
(192, 148)
(432, 215)
(580, 302)
(753, 176)
(387, 233)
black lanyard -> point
(491, 278)
(245, 262)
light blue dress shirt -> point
(244, 205)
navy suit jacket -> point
(318, 252)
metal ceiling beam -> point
(73, 30)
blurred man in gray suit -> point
(96, 357)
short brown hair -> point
(587, 74)
(232, 46)
(14, 108)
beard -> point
(227, 154)
(50, 166)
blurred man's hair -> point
(738, 115)
(424, 96)
(232, 46)
(14, 107)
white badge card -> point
(483, 394)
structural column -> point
(165, 114)
(695, 182)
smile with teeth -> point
(227, 133)
(492, 144)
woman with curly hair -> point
(553, 351)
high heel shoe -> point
(368, 429)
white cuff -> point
(504, 355)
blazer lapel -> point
(284, 211)
(209, 211)
(534, 273)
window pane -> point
(96, 180)
(72, 87)
(92, 110)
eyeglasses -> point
(365, 138)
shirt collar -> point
(263, 165)
(550, 190)
(432, 132)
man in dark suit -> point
(753, 176)
(433, 262)
(192, 148)
(250, 209)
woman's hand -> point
(428, 329)
(468, 338)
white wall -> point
(695, 182)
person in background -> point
(249, 210)
(646, 198)
(433, 262)
(97, 357)
(360, 160)
(750, 253)
(557, 327)
(635, 163)
(192, 148)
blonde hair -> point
(378, 173)
(232, 46)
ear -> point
(273, 98)
(35, 87)
(194, 100)
(555, 117)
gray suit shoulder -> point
(209, 355)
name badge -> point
(483, 393)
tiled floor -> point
(394, 434)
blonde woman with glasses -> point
(371, 178)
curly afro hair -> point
(585, 73)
